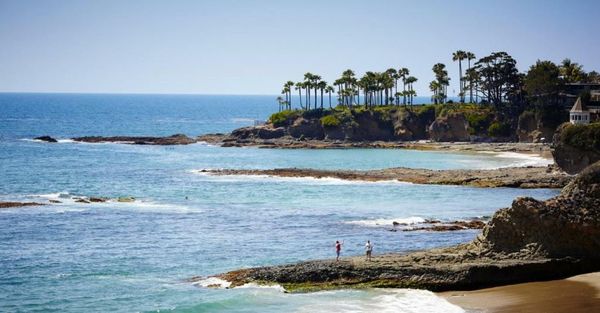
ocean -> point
(137, 256)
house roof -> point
(578, 106)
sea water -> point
(137, 256)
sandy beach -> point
(579, 293)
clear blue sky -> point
(252, 47)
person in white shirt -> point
(369, 249)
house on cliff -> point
(581, 114)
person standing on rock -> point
(338, 249)
(368, 249)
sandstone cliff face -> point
(261, 132)
(576, 147)
(453, 127)
(565, 226)
(307, 128)
(532, 129)
(410, 126)
(372, 126)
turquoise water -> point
(124, 257)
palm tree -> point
(434, 87)
(459, 56)
(308, 77)
(288, 87)
(441, 75)
(470, 56)
(329, 90)
(411, 92)
(280, 102)
(403, 73)
(322, 85)
(299, 86)
(392, 73)
(284, 92)
(571, 72)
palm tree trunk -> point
(460, 83)
(404, 92)
(321, 98)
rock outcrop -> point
(531, 128)
(517, 177)
(532, 240)
(259, 132)
(576, 146)
(304, 128)
(410, 126)
(177, 139)
(46, 139)
(6, 205)
(453, 127)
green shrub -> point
(498, 129)
(584, 137)
(313, 113)
(478, 122)
(330, 121)
(282, 118)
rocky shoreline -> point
(519, 177)
(287, 142)
(530, 241)
(7, 205)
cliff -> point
(576, 146)
(439, 123)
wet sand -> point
(573, 295)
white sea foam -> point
(64, 140)
(381, 300)
(520, 159)
(71, 201)
(213, 282)
(257, 286)
(67, 140)
(387, 221)
(301, 180)
(242, 120)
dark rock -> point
(6, 205)
(573, 158)
(97, 199)
(54, 201)
(411, 126)
(82, 201)
(307, 129)
(336, 133)
(453, 127)
(451, 226)
(567, 225)
(46, 139)
(177, 139)
(371, 126)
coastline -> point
(287, 142)
(515, 177)
(575, 294)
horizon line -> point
(147, 93)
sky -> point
(253, 47)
